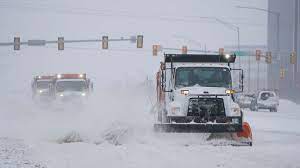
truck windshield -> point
(70, 86)
(42, 84)
(203, 76)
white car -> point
(244, 100)
(265, 100)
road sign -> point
(241, 53)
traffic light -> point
(155, 50)
(139, 41)
(268, 57)
(104, 42)
(282, 73)
(17, 43)
(184, 49)
(258, 55)
(293, 58)
(221, 51)
(60, 43)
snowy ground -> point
(108, 137)
(115, 128)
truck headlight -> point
(40, 91)
(83, 94)
(184, 92)
(175, 110)
(230, 91)
(61, 95)
(227, 56)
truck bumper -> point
(208, 127)
(198, 128)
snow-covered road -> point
(115, 128)
(124, 142)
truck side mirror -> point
(92, 86)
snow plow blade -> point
(197, 128)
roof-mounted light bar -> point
(41, 77)
(205, 58)
(71, 76)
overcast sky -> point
(173, 22)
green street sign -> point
(241, 53)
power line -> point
(110, 13)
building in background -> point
(283, 36)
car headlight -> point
(61, 95)
(40, 91)
(83, 94)
(175, 110)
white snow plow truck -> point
(40, 87)
(195, 95)
(71, 87)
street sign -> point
(36, 42)
(241, 53)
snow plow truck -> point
(195, 95)
(40, 87)
(71, 87)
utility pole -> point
(249, 72)
(258, 76)
(296, 40)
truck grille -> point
(206, 108)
